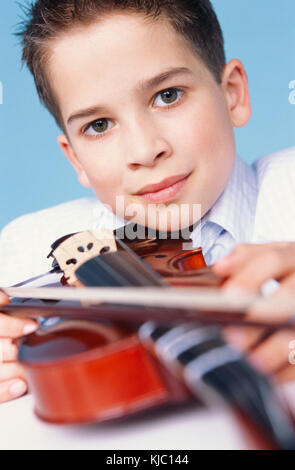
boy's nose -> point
(145, 146)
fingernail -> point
(30, 328)
(17, 388)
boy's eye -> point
(99, 127)
(169, 96)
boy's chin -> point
(168, 224)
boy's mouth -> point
(164, 191)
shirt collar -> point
(234, 211)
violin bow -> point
(161, 303)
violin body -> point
(100, 378)
(83, 371)
(87, 371)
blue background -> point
(34, 174)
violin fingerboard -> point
(207, 364)
(120, 269)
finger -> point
(11, 389)
(278, 308)
(11, 327)
(11, 370)
(287, 286)
(274, 314)
(273, 264)
(245, 252)
(273, 353)
(285, 374)
(8, 351)
(237, 258)
(242, 338)
(3, 299)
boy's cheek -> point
(212, 131)
(107, 186)
(103, 171)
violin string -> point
(37, 278)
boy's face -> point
(176, 134)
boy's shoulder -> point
(268, 165)
(25, 242)
(275, 210)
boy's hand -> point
(246, 269)
(12, 378)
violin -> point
(81, 370)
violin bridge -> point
(81, 247)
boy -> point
(147, 106)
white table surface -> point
(187, 428)
(190, 428)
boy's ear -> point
(69, 152)
(235, 86)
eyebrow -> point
(142, 87)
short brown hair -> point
(195, 20)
